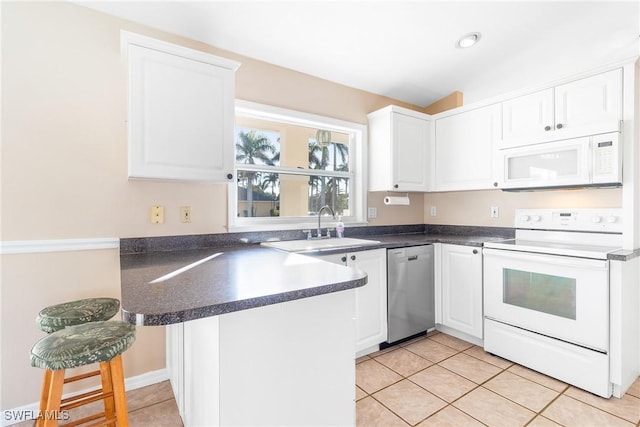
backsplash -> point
(199, 241)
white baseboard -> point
(30, 411)
(460, 335)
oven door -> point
(558, 296)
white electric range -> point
(546, 294)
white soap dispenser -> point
(340, 227)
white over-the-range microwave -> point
(579, 162)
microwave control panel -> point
(607, 158)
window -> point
(290, 164)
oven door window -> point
(544, 293)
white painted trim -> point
(61, 245)
(358, 168)
(132, 383)
(128, 38)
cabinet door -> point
(371, 299)
(461, 277)
(410, 153)
(181, 117)
(464, 149)
(527, 118)
(591, 105)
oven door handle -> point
(559, 260)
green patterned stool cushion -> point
(83, 345)
(59, 316)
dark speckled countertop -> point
(180, 278)
(222, 280)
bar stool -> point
(59, 316)
(95, 342)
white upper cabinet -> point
(527, 118)
(181, 112)
(464, 149)
(584, 107)
(398, 150)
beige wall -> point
(63, 168)
(473, 207)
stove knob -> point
(535, 218)
(611, 219)
(596, 219)
(524, 218)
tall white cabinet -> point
(371, 299)
(181, 112)
(398, 150)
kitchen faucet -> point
(333, 214)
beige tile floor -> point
(152, 406)
(439, 381)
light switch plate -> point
(433, 211)
(495, 212)
(185, 214)
(372, 213)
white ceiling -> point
(406, 49)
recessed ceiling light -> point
(468, 40)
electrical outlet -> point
(156, 214)
(372, 213)
(433, 211)
(495, 212)
(185, 214)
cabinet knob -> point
(495, 184)
(547, 128)
(353, 257)
(229, 176)
(475, 251)
(559, 126)
(343, 259)
(395, 186)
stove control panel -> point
(603, 220)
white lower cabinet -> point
(281, 364)
(460, 289)
(371, 299)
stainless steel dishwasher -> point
(410, 292)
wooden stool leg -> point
(44, 394)
(107, 387)
(49, 416)
(117, 377)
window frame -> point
(357, 165)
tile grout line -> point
(477, 385)
(447, 404)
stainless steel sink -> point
(319, 245)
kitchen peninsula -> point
(255, 336)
